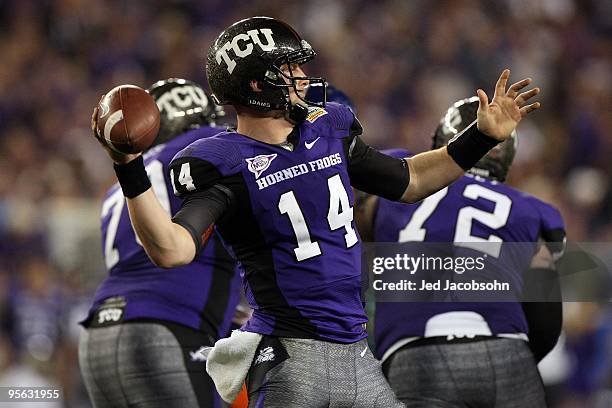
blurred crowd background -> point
(402, 63)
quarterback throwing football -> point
(278, 189)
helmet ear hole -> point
(256, 86)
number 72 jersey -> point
(468, 213)
(290, 224)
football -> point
(128, 119)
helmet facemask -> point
(279, 79)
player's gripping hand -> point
(500, 117)
(117, 157)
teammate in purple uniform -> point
(146, 324)
(278, 188)
(467, 353)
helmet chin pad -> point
(296, 113)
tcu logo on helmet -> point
(251, 37)
(180, 98)
(452, 120)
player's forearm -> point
(165, 242)
(430, 172)
(434, 170)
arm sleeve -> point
(545, 315)
(552, 228)
(544, 320)
(373, 172)
(555, 241)
(200, 211)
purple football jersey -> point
(290, 226)
(470, 209)
(201, 295)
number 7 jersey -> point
(201, 295)
(290, 224)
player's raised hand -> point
(500, 117)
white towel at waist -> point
(228, 362)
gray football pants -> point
(312, 373)
(145, 365)
(495, 373)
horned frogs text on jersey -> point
(470, 208)
(290, 225)
(201, 295)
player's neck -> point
(272, 129)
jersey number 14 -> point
(339, 215)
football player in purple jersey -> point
(146, 324)
(279, 190)
(455, 354)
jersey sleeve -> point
(339, 120)
(204, 175)
(374, 172)
(203, 164)
(369, 170)
(552, 228)
(397, 153)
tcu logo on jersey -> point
(259, 164)
(109, 315)
(180, 98)
(244, 50)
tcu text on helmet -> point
(180, 98)
(251, 37)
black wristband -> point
(469, 146)
(132, 177)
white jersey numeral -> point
(306, 248)
(339, 215)
(495, 220)
(115, 203)
(414, 230)
(185, 177)
(340, 212)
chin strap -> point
(296, 113)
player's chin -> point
(299, 93)
(298, 101)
